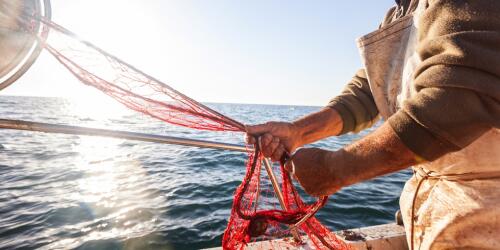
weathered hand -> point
(276, 138)
(314, 170)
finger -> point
(271, 147)
(290, 164)
(250, 139)
(265, 140)
(280, 150)
(290, 167)
(258, 129)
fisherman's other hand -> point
(276, 138)
(313, 169)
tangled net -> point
(254, 214)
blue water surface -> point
(66, 191)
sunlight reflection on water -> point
(109, 176)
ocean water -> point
(66, 191)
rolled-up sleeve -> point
(458, 80)
(355, 104)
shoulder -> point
(401, 9)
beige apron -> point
(458, 200)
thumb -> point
(290, 167)
(289, 164)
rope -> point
(412, 215)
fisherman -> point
(432, 72)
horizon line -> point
(210, 102)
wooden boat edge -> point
(378, 237)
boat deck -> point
(380, 237)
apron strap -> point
(457, 177)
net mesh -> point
(256, 212)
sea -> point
(83, 192)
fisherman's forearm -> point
(379, 153)
(319, 125)
(323, 172)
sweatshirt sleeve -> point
(355, 104)
(458, 80)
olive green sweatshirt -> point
(457, 82)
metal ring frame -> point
(30, 53)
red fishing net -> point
(255, 213)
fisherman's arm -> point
(322, 172)
(355, 105)
(351, 111)
(280, 137)
(457, 100)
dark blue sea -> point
(66, 191)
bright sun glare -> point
(116, 35)
(88, 102)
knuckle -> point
(278, 152)
(267, 138)
(269, 124)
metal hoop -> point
(31, 49)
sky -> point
(261, 51)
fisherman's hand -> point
(314, 169)
(276, 138)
